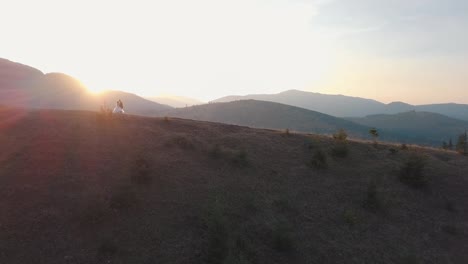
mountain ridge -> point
(428, 127)
(265, 114)
(413, 127)
(350, 106)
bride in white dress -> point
(118, 109)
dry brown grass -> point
(71, 190)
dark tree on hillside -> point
(462, 144)
(444, 145)
(341, 135)
(450, 144)
(374, 133)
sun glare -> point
(95, 91)
(93, 87)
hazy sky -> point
(399, 50)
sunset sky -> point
(401, 50)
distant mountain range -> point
(420, 127)
(410, 127)
(24, 86)
(347, 106)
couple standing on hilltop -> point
(119, 108)
(120, 104)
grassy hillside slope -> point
(77, 187)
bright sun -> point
(95, 91)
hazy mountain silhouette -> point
(459, 111)
(347, 106)
(24, 86)
(422, 128)
(12, 74)
(417, 127)
(397, 107)
(175, 101)
(335, 105)
(264, 114)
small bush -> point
(282, 240)
(240, 251)
(181, 142)
(217, 243)
(350, 217)
(215, 152)
(373, 202)
(107, 249)
(105, 110)
(450, 229)
(218, 236)
(319, 160)
(450, 206)
(166, 119)
(93, 214)
(412, 172)
(341, 135)
(240, 158)
(462, 144)
(284, 206)
(375, 134)
(410, 259)
(123, 199)
(286, 132)
(104, 114)
(141, 173)
(393, 151)
(249, 205)
(309, 144)
(404, 147)
(340, 150)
